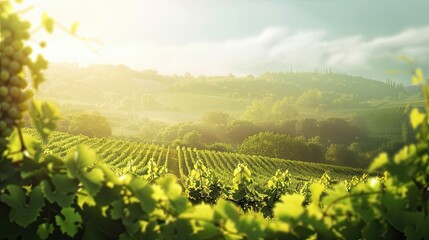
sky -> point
(241, 37)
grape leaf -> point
(316, 191)
(171, 188)
(205, 230)
(76, 164)
(144, 192)
(63, 186)
(23, 212)
(379, 162)
(92, 180)
(69, 221)
(33, 150)
(44, 117)
(84, 198)
(128, 213)
(223, 209)
(416, 118)
(82, 157)
(199, 212)
(253, 226)
(44, 230)
(289, 207)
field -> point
(133, 157)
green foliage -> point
(89, 124)
(69, 221)
(44, 117)
(238, 130)
(338, 154)
(277, 186)
(203, 185)
(243, 191)
(134, 157)
(216, 118)
(339, 131)
(154, 171)
(47, 197)
(192, 139)
(318, 99)
(23, 212)
(221, 147)
(282, 146)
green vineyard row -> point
(133, 157)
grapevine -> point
(15, 60)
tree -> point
(238, 130)
(307, 127)
(340, 154)
(90, 124)
(281, 146)
(284, 109)
(216, 118)
(259, 110)
(221, 147)
(314, 150)
(339, 131)
(193, 139)
(311, 98)
(287, 127)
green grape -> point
(26, 25)
(3, 126)
(23, 106)
(4, 75)
(14, 66)
(18, 56)
(4, 91)
(15, 92)
(5, 106)
(8, 51)
(15, 81)
(6, 34)
(17, 45)
(14, 57)
(26, 36)
(27, 50)
(14, 113)
(5, 62)
(22, 83)
(29, 93)
(42, 44)
(7, 132)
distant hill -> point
(116, 88)
(292, 84)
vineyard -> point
(53, 187)
(387, 123)
(133, 157)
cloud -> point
(274, 49)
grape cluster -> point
(14, 58)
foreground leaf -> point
(22, 212)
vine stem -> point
(21, 139)
(325, 212)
